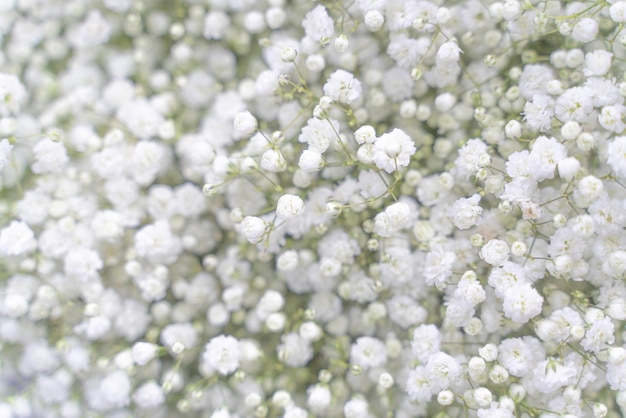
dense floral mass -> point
(290, 208)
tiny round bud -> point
(372, 244)
(374, 20)
(281, 398)
(476, 365)
(288, 54)
(498, 374)
(490, 60)
(253, 400)
(489, 352)
(554, 87)
(506, 403)
(477, 240)
(585, 141)
(474, 326)
(600, 410)
(570, 130)
(483, 397)
(244, 123)
(513, 129)
(412, 177)
(445, 398)
(517, 392)
(518, 249)
(559, 220)
(333, 209)
(385, 380)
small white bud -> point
(254, 229)
(289, 206)
(489, 352)
(483, 397)
(445, 398)
(518, 249)
(385, 380)
(288, 54)
(513, 129)
(333, 209)
(244, 123)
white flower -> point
(610, 118)
(5, 151)
(470, 290)
(472, 156)
(355, 408)
(616, 153)
(318, 25)
(495, 252)
(511, 10)
(394, 218)
(438, 266)
(222, 354)
(244, 123)
(141, 117)
(254, 229)
(343, 87)
(521, 303)
(393, 150)
(289, 206)
(94, 31)
(12, 94)
(149, 395)
(568, 168)
(597, 63)
(466, 212)
(442, 370)
(311, 161)
(17, 239)
(143, 352)
(368, 352)
(294, 350)
(576, 104)
(374, 20)
(157, 243)
(82, 263)
(519, 355)
(544, 157)
(318, 398)
(115, 389)
(426, 341)
(365, 135)
(538, 113)
(273, 161)
(319, 133)
(599, 336)
(287, 261)
(618, 11)
(534, 79)
(585, 30)
(418, 385)
(50, 156)
(448, 53)
(215, 24)
(179, 336)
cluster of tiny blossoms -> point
(273, 208)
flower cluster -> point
(312, 209)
